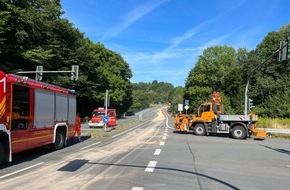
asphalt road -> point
(153, 156)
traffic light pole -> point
(252, 71)
(246, 96)
(106, 107)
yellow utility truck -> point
(210, 119)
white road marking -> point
(21, 170)
(162, 143)
(151, 166)
(90, 145)
(137, 188)
(157, 152)
(167, 125)
(164, 137)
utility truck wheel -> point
(199, 130)
(59, 140)
(239, 132)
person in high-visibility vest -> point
(78, 127)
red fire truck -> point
(34, 114)
(97, 117)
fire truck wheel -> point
(59, 140)
(238, 132)
(199, 129)
(1, 153)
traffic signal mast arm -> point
(285, 45)
(39, 70)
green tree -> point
(33, 33)
(26, 32)
(211, 73)
(270, 83)
(107, 70)
(145, 94)
(176, 97)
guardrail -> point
(282, 131)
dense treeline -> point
(225, 69)
(156, 92)
(33, 33)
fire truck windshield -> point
(98, 113)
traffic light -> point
(74, 72)
(251, 104)
(39, 72)
(284, 53)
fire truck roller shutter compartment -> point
(44, 117)
(72, 109)
(61, 107)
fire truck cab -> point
(34, 114)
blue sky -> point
(162, 39)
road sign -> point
(180, 107)
(105, 119)
(186, 107)
(186, 102)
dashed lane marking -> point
(151, 166)
(137, 188)
(157, 152)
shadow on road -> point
(277, 149)
(171, 169)
(26, 156)
(73, 166)
(31, 154)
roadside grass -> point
(110, 131)
(275, 123)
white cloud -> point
(178, 40)
(133, 16)
(174, 62)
